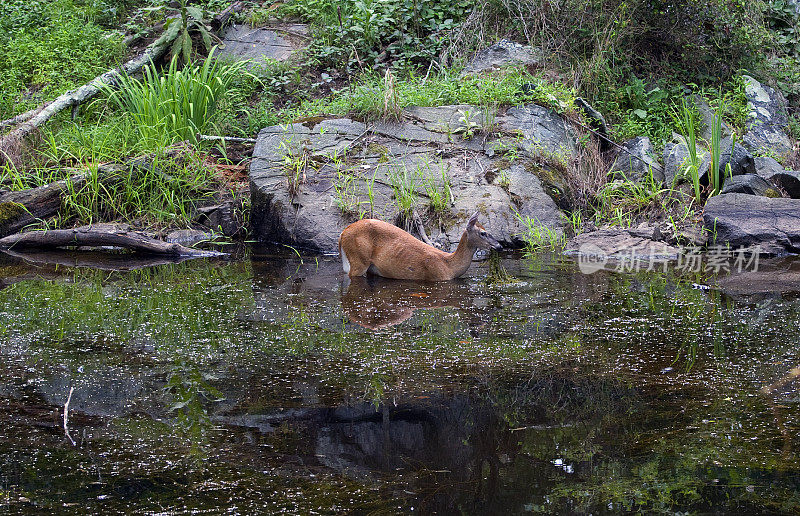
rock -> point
(740, 220)
(225, 218)
(636, 161)
(774, 280)
(676, 157)
(187, 237)
(767, 120)
(618, 249)
(707, 119)
(786, 180)
(343, 160)
(750, 184)
(501, 54)
(242, 42)
(542, 130)
(740, 159)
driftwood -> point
(25, 207)
(49, 263)
(99, 235)
(234, 139)
(11, 141)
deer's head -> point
(478, 236)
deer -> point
(374, 246)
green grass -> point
(538, 237)
(48, 48)
(620, 202)
(404, 184)
(365, 97)
(178, 104)
(438, 189)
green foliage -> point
(620, 202)
(716, 139)
(688, 124)
(365, 97)
(178, 104)
(439, 195)
(404, 184)
(783, 20)
(641, 110)
(191, 19)
(167, 192)
(361, 33)
(47, 48)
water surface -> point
(270, 384)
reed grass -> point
(179, 103)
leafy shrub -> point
(361, 33)
(784, 20)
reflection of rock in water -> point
(360, 440)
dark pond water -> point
(266, 384)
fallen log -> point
(100, 235)
(224, 16)
(49, 263)
(11, 142)
(23, 117)
(22, 208)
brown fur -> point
(394, 253)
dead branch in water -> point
(99, 235)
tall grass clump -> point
(178, 104)
(404, 185)
(538, 237)
(166, 191)
(688, 126)
(716, 139)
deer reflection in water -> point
(374, 302)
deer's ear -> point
(472, 220)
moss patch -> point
(10, 212)
(381, 150)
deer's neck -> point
(460, 260)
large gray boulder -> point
(707, 119)
(786, 180)
(767, 121)
(739, 158)
(501, 54)
(636, 160)
(310, 180)
(262, 45)
(741, 220)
